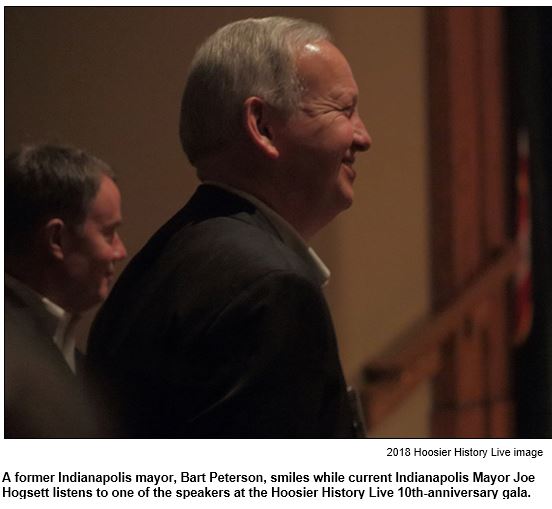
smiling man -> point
(62, 211)
(231, 335)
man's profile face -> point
(319, 141)
(93, 249)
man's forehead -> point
(324, 69)
(312, 47)
(322, 57)
(315, 49)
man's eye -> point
(109, 235)
(349, 110)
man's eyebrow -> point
(113, 224)
(345, 95)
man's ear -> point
(258, 125)
(53, 236)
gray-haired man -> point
(218, 327)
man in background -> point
(62, 211)
(218, 327)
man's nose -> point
(361, 139)
(119, 252)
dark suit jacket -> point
(43, 398)
(217, 329)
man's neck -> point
(266, 181)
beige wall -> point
(110, 80)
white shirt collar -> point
(287, 232)
(57, 323)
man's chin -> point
(93, 300)
(102, 294)
(347, 195)
(347, 204)
(346, 191)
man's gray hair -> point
(42, 182)
(251, 57)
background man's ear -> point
(257, 123)
(53, 236)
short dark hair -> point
(46, 181)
